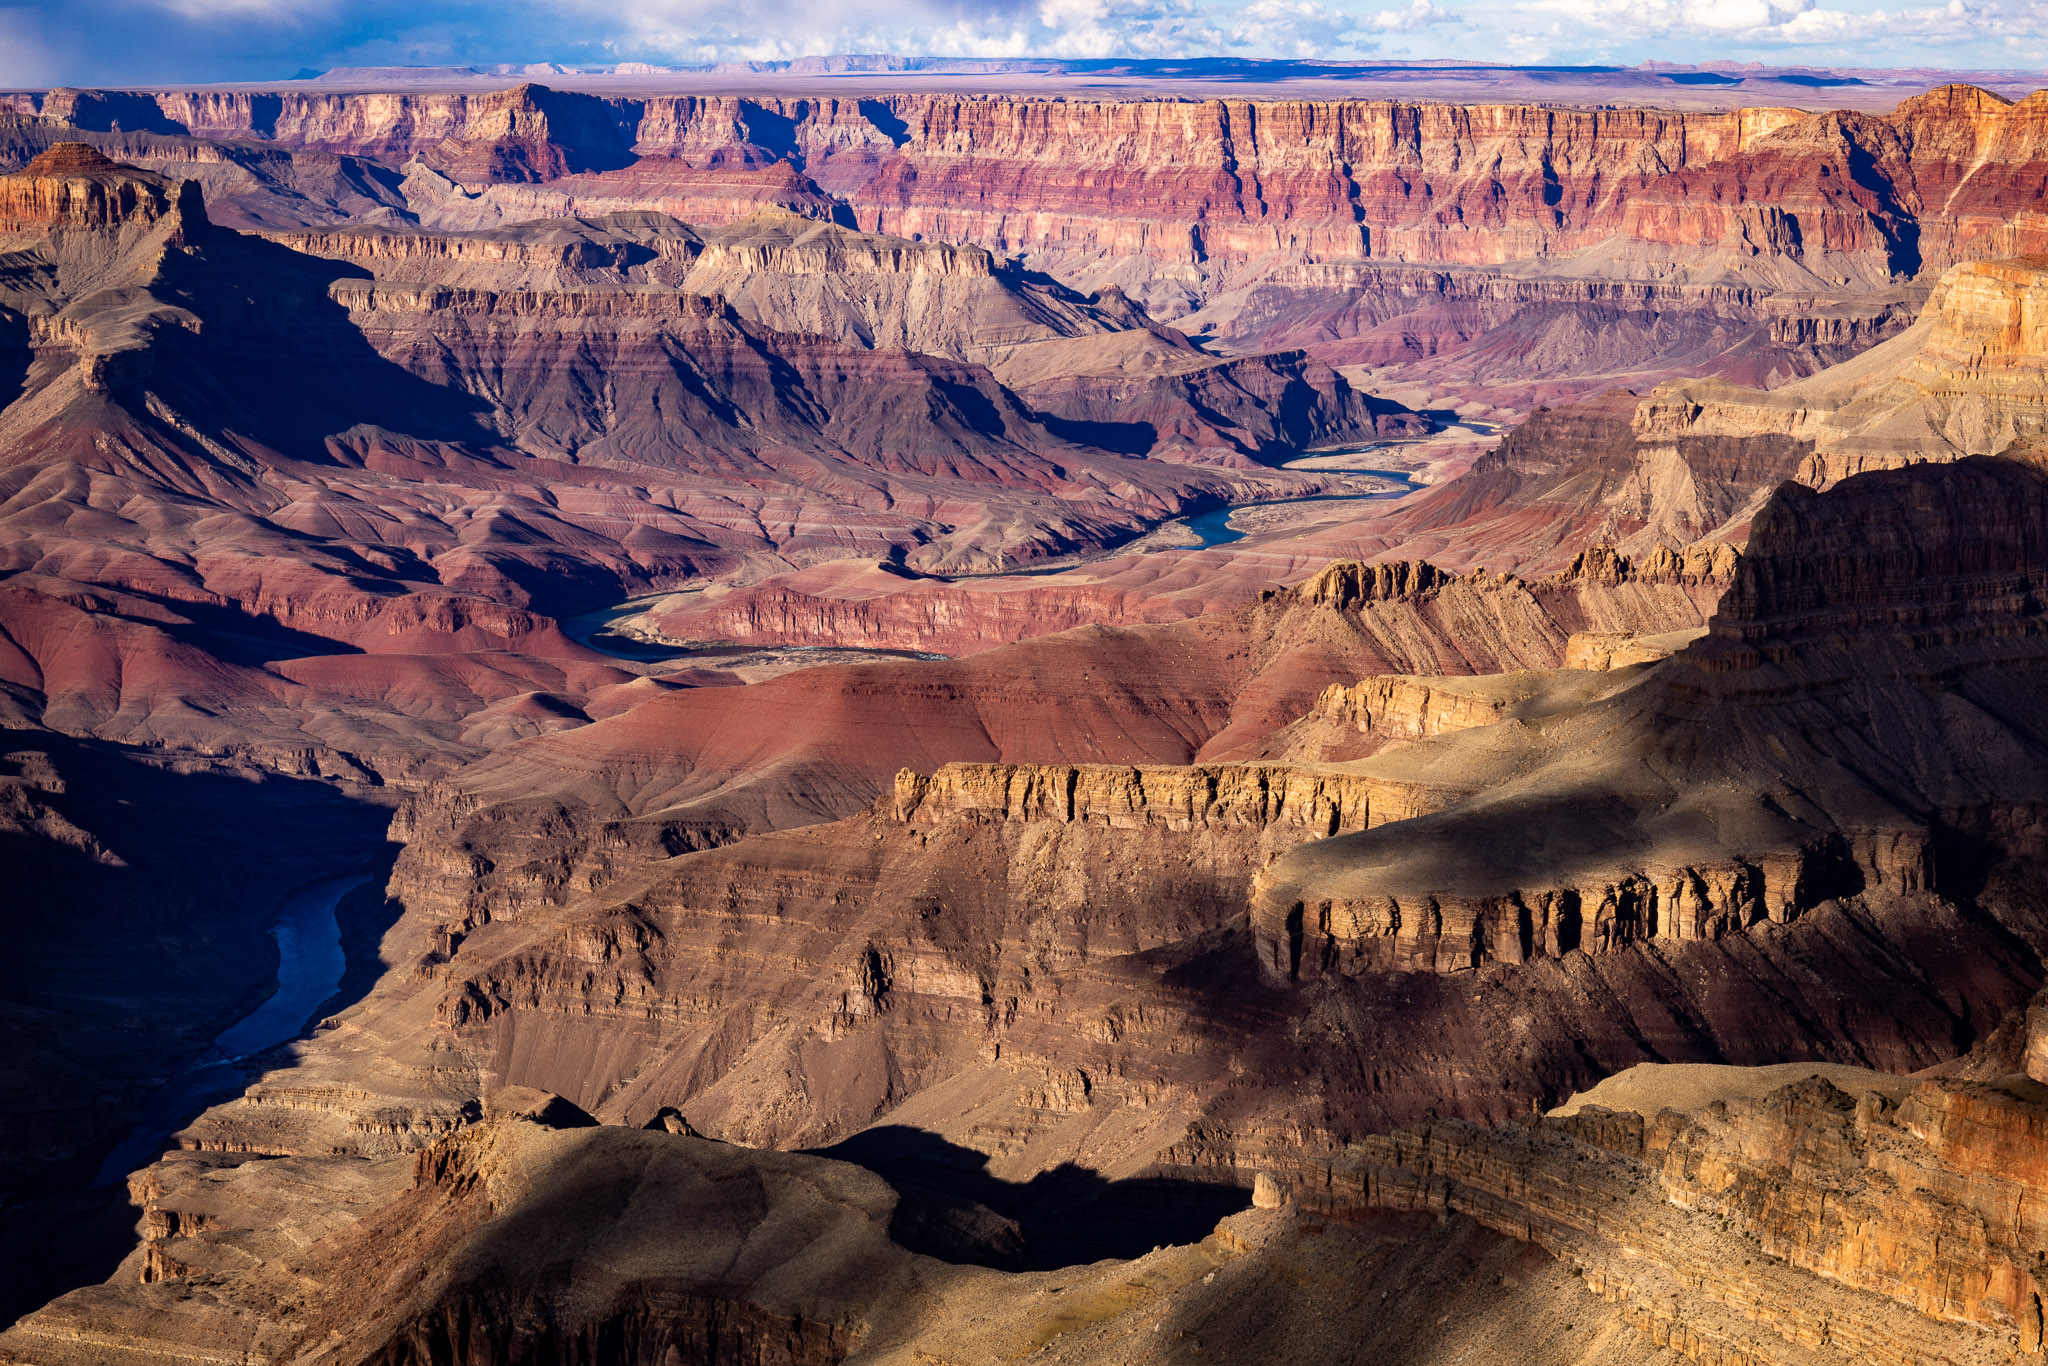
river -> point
(1214, 528)
(310, 963)
(597, 629)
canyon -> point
(1107, 729)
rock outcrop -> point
(1691, 462)
(1339, 178)
(73, 185)
(1524, 252)
(1966, 379)
(1815, 628)
(794, 1259)
(1788, 1217)
(1096, 364)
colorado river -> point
(1201, 531)
(1214, 528)
(310, 963)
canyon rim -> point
(945, 711)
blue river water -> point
(310, 963)
(1215, 529)
(1212, 528)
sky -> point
(109, 42)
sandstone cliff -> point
(1966, 379)
(1491, 249)
(1335, 179)
(1785, 1217)
(1758, 832)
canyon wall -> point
(1524, 253)
(1816, 618)
(1790, 1217)
(1342, 179)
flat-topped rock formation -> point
(1332, 178)
(73, 185)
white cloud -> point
(689, 30)
(1413, 18)
(274, 10)
(1888, 35)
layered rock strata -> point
(791, 1259)
(1095, 363)
(1693, 461)
(1059, 964)
(697, 766)
(352, 577)
(1816, 624)
(1347, 178)
(1966, 379)
(1844, 1215)
(1596, 246)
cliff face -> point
(1341, 179)
(1302, 803)
(1523, 253)
(704, 763)
(1816, 623)
(1693, 461)
(1852, 1213)
(1097, 366)
(75, 186)
(1964, 380)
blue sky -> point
(111, 41)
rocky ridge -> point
(1095, 363)
(1964, 380)
(1611, 244)
(1852, 1214)
(1702, 865)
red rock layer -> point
(1929, 184)
(72, 185)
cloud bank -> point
(44, 42)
